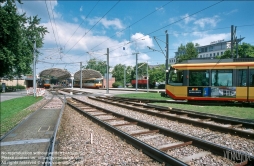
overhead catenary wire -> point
(81, 23)
(128, 27)
(181, 33)
(204, 30)
(51, 23)
(121, 45)
(93, 26)
(55, 23)
(173, 22)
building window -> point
(211, 48)
(218, 53)
(213, 54)
(221, 53)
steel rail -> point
(188, 102)
(147, 149)
(51, 148)
(231, 130)
(214, 148)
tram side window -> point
(222, 77)
(199, 78)
(252, 77)
(242, 77)
(176, 76)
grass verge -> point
(14, 110)
(149, 95)
(237, 112)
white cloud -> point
(231, 12)
(75, 19)
(81, 8)
(187, 18)
(141, 41)
(212, 21)
(115, 23)
(160, 9)
(80, 46)
(208, 38)
(119, 34)
(32, 8)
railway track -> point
(238, 104)
(222, 124)
(74, 91)
(162, 144)
(57, 103)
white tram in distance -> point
(94, 83)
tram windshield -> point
(47, 81)
(97, 81)
(175, 77)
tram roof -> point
(205, 60)
(199, 64)
(87, 74)
(56, 73)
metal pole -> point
(107, 84)
(147, 76)
(136, 71)
(232, 40)
(80, 75)
(72, 78)
(34, 70)
(124, 76)
(237, 48)
(166, 81)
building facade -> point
(215, 48)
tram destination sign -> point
(195, 91)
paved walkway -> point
(11, 95)
(29, 142)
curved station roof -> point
(56, 73)
(87, 74)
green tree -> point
(186, 52)
(118, 73)
(142, 67)
(245, 50)
(17, 35)
(157, 74)
(97, 65)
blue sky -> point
(99, 25)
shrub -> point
(12, 88)
(116, 84)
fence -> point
(39, 91)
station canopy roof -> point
(56, 73)
(87, 74)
